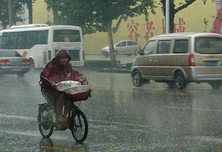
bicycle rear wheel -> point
(79, 126)
(45, 120)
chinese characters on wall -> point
(150, 27)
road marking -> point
(17, 117)
(57, 148)
(27, 133)
(195, 109)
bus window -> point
(30, 39)
(66, 36)
(21, 40)
(10, 40)
(42, 37)
(6, 41)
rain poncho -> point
(56, 72)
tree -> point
(174, 10)
(56, 8)
(97, 15)
(30, 8)
(17, 9)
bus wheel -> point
(31, 64)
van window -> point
(208, 45)
(149, 48)
(180, 46)
(163, 47)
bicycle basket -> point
(79, 96)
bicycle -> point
(77, 121)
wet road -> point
(121, 117)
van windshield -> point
(208, 45)
(149, 48)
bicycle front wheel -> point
(45, 123)
(79, 126)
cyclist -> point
(56, 70)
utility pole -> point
(167, 17)
(10, 14)
(29, 6)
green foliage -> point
(95, 15)
(17, 9)
(173, 10)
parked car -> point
(122, 47)
(11, 62)
(179, 59)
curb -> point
(105, 66)
(114, 70)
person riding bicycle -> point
(56, 70)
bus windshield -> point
(66, 36)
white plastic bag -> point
(72, 87)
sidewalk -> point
(103, 64)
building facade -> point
(197, 17)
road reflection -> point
(51, 145)
(121, 117)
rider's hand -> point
(53, 83)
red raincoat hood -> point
(62, 53)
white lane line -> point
(196, 109)
(17, 117)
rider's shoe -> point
(62, 123)
(65, 119)
(60, 119)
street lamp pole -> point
(167, 17)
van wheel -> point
(137, 79)
(171, 84)
(179, 80)
(216, 84)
